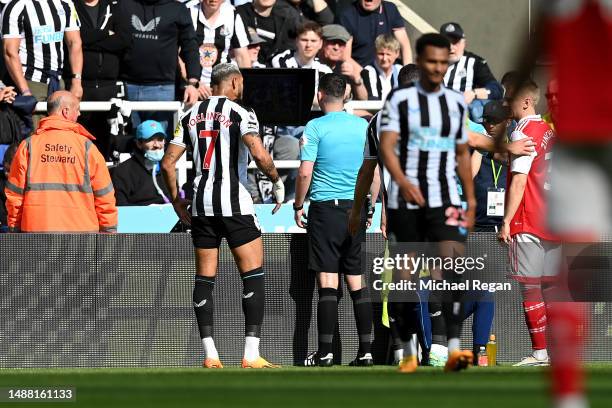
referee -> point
(331, 153)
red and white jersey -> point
(578, 38)
(530, 217)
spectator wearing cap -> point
(138, 180)
(332, 54)
(469, 73)
(382, 76)
(367, 19)
(313, 10)
(254, 47)
(490, 170)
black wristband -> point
(297, 208)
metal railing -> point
(178, 108)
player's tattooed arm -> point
(260, 155)
(168, 166)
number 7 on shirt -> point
(213, 134)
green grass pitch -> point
(303, 387)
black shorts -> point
(207, 232)
(426, 224)
(330, 246)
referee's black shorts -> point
(207, 232)
(331, 248)
(426, 224)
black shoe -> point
(364, 360)
(315, 360)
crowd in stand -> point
(164, 50)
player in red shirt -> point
(534, 252)
(579, 202)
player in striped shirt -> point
(425, 123)
(222, 134)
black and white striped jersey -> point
(377, 83)
(213, 129)
(470, 72)
(40, 25)
(430, 125)
(288, 59)
(216, 39)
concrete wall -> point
(494, 29)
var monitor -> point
(279, 96)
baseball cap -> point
(452, 31)
(255, 38)
(495, 112)
(335, 32)
(148, 129)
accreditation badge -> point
(496, 200)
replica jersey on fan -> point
(216, 39)
(471, 71)
(430, 125)
(42, 26)
(530, 217)
(214, 129)
(572, 25)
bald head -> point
(64, 104)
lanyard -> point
(496, 175)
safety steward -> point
(59, 181)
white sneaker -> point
(438, 355)
(531, 361)
(572, 401)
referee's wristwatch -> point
(297, 207)
(195, 84)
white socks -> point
(210, 350)
(410, 348)
(540, 354)
(251, 348)
(398, 354)
(453, 345)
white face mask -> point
(154, 155)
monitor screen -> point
(279, 96)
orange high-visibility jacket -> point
(59, 182)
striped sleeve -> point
(248, 121)
(462, 134)
(72, 23)
(371, 145)
(389, 121)
(279, 60)
(369, 76)
(181, 133)
(12, 19)
(241, 37)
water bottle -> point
(483, 359)
(492, 351)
